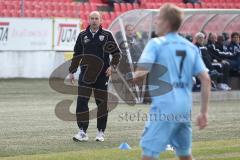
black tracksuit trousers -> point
(99, 89)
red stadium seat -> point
(106, 16)
(69, 6)
(87, 7)
(80, 7)
(229, 1)
(123, 7)
(93, 6)
(143, 5)
(129, 6)
(197, 5)
(231, 5)
(116, 7)
(189, 5)
(2, 7)
(181, 5)
(148, 6)
(206, 5)
(113, 15)
(135, 6)
(16, 13)
(238, 5)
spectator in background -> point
(220, 44)
(205, 37)
(219, 57)
(234, 47)
(226, 38)
(135, 42)
(217, 70)
(216, 53)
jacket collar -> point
(99, 29)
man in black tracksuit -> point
(92, 50)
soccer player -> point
(172, 110)
(92, 50)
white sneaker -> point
(100, 136)
(81, 136)
(169, 148)
(223, 87)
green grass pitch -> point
(30, 130)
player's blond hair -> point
(172, 14)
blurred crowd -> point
(220, 53)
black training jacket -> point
(92, 53)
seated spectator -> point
(220, 44)
(205, 37)
(217, 70)
(226, 38)
(233, 60)
(234, 47)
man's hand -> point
(71, 78)
(139, 76)
(109, 71)
(202, 120)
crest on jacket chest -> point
(86, 39)
(101, 37)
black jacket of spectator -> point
(234, 48)
(216, 53)
(207, 59)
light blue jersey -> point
(169, 119)
(182, 61)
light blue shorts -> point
(158, 134)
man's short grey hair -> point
(199, 35)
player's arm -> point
(202, 118)
(201, 72)
(76, 58)
(139, 75)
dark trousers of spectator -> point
(223, 68)
(235, 64)
(99, 89)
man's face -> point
(235, 39)
(213, 38)
(220, 39)
(94, 20)
(200, 40)
(130, 31)
(161, 25)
